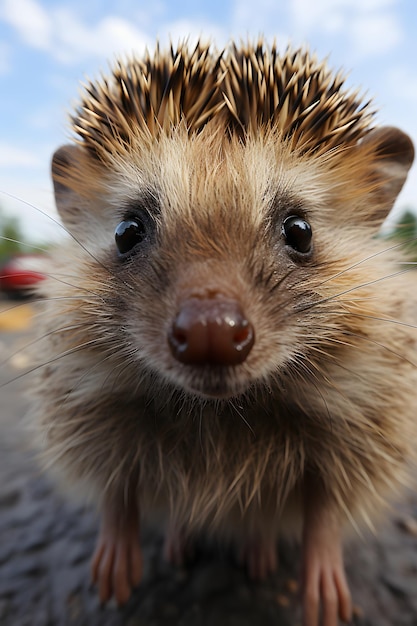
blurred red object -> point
(20, 273)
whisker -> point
(239, 412)
(336, 296)
(368, 258)
(381, 345)
(68, 232)
(125, 365)
(80, 380)
(278, 284)
(33, 246)
(377, 319)
(59, 280)
(314, 374)
(78, 348)
(39, 339)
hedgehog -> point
(227, 345)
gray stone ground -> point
(46, 543)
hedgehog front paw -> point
(325, 589)
(116, 567)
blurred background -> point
(47, 47)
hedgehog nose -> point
(211, 331)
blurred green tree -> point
(11, 237)
(405, 232)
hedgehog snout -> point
(211, 330)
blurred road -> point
(46, 543)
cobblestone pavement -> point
(46, 543)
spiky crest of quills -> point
(244, 87)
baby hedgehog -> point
(227, 346)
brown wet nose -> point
(211, 331)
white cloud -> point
(30, 20)
(192, 30)
(322, 13)
(154, 11)
(375, 34)
(368, 27)
(365, 27)
(69, 39)
(10, 156)
(76, 41)
(262, 17)
(61, 33)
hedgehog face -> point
(223, 242)
(218, 231)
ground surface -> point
(46, 543)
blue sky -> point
(47, 47)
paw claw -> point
(116, 566)
(325, 589)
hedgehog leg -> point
(178, 547)
(116, 566)
(325, 587)
(260, 557)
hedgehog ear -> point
(391, 153)
(68, 202)
(76, 190)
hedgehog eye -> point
(129, 233)
(297, 233)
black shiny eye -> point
(297, 233)
(129, 233)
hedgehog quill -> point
(228, 346)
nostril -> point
(178, 336)
(187, 337)
(230, 338)
(211, 332)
